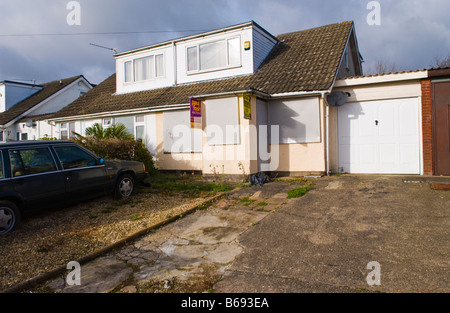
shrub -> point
(115, 148)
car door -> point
(84, 177)
(35, 177)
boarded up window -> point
(222, 121)
(178, 135)
(299, 120)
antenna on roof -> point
(25, 80)
(112, 49)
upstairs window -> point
(128, 71)
(145, 68)
(214, 55)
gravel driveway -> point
(51, 239)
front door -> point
(441, 101)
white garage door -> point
(379, 137)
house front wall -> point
(268, 141)
(22, 131)
(240, 135)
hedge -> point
(119, 149)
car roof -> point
(27, 143)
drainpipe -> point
(327, 131)
(174, 52)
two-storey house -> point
(234, 101)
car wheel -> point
(124, 186)
(9, 217)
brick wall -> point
(427, 128)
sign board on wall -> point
(247, 107)
(196, 113)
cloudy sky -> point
(38, 43)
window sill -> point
(190, 73)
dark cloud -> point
(412, 33)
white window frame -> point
(63, 127)
(67, 126)
(153, 76)
(107, 122)
(228, 65)
(139, 124)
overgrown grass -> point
(246, 200)
(299, 191)
(184, 183)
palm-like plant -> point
(96, 131)
(118, 131)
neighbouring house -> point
(232, 101)
(24, 108)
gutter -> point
(121, 113)
(232, 93)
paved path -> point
(186, 254)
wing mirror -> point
(101, 161)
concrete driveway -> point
(324, 241)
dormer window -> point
(215, 55)
(145, 68)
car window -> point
(74, 157)
(31, 161)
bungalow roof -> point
(28, 103)
(302, 61)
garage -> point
(379, 137)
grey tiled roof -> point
(49, 89)
(302, 61)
